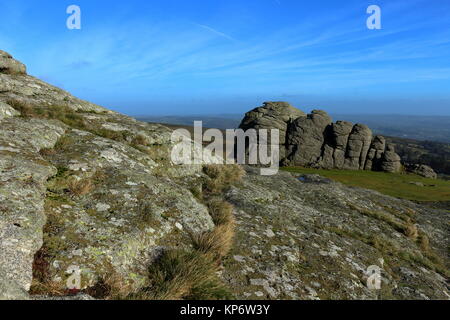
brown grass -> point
(176, 274)
(113, 286)
(221, 177)
(47, 152)
(41, 283)
(410, 230)
(221, 211)
(80, 187)
(139, 140)
(216, 243)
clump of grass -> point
(221, 177)
(216, 243)
(139, 140)
(42, 283)
(80, 187)
(47, 152)
(424, 242)
(120, 136)
(64, 143)
(410, 230)
(112, 286)
(66, 115)
(221, 211)
(179, 274)
(407, 227)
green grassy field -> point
(396, 185)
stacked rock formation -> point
(314, 140)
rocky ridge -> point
(82, 186)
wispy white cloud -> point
(216, 32)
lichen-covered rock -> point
(272, 115)
(375, 154)
(23, 177)
(390, 161)
(305, 138)
(421, 170)
(340, 131)
(9, 65)
(357, 147)
(6, 111)
(84, 186)
(311, 238)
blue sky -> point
(228, 56)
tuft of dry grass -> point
(139, 140)
(216, 243)
(221, 211)
(176, 274)
(424, 242)
(221, 177)
(41, 283)
(410, 230)
(112, 286)
(80, 187)
(47, 152)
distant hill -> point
(425, 128)
(226, 121)
(431, 128)
(424, 140)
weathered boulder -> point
(272, 115)
(340, 131)
(357, 147)
(375, 154)
(6, 111)
(87, 188)
(390, 161)
(421, 170)
(305, 138)
(9, 65)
